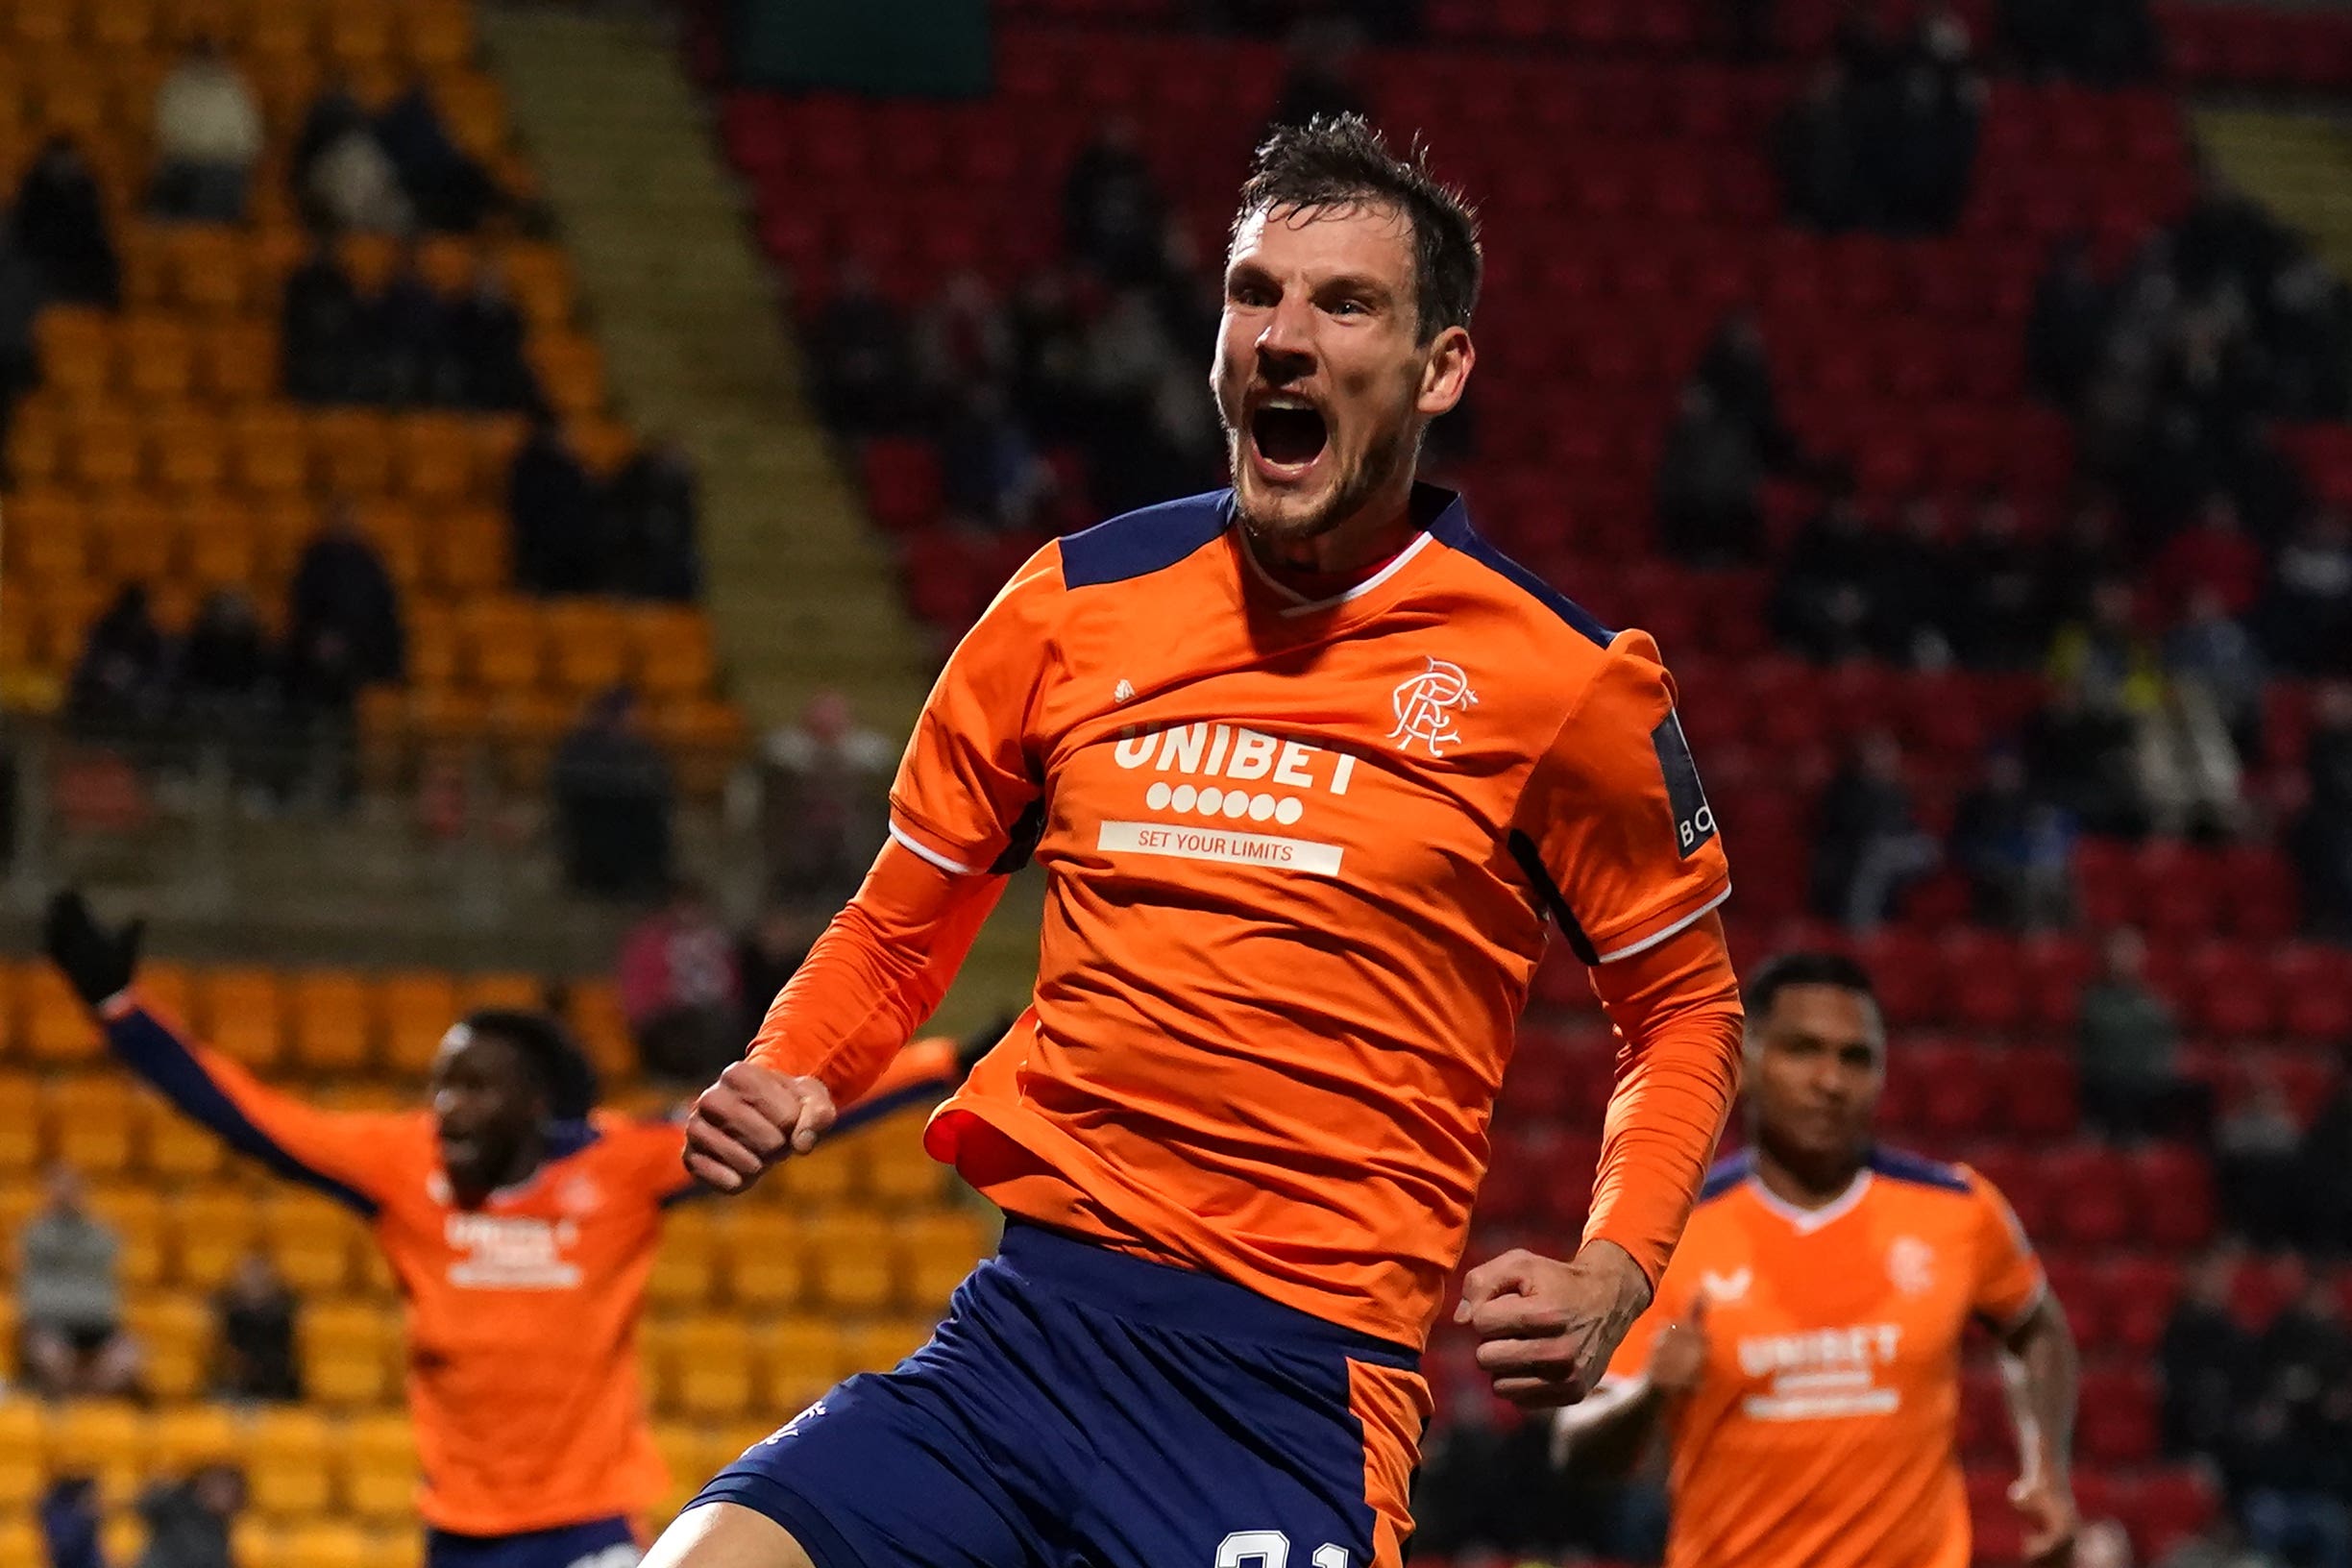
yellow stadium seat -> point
(432, 644)
(541, 279)
(898, 1173)
(394, 1548)
(42, 23)
(146, 266)
(939, 1250)
(570, 372)
(287, 1469)
(353, 449)
(211, 1228)
(503, 642)
(136, 1211)
(73, 101)
(89, 1122)
(156, 358)
(671, 650)
(168, 989)
(46, 538)
(122, 1536)
(105, 450)
(36, 442)
(417, 1010)
(121, 26)
(277, 33)
(766, 1267)
(23, 1465)
(312, 1240)
(438, 33)
(270, 450)
(346, 1354)
(800, 1357)
(57, 1028)
(853, 1274)
(881, 1344)
(467, 550)
(190, 452)
(332, 1015)
(205, 270)
(76, 345)
(379, 1468)
(136, 537)
(711, 1375)
(222, 546)
(244, 1015)
(435, 455)
(20, 1126)
(496, 438)
(682, 1448)
(359, 33)
(603, 444)
(594, 1012)
(504, 989)
(587, 646)
(255, 1542)
(237, 360)
(685, 1268)
(178, 1147)
(393, 529)
(824, 1177)
(189, 1436)
(105, 1439)
(470, 106)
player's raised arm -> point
(329, 1150)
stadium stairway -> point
(802, 590)
(2298, 165)
(801, 593)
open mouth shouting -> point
(1288, 436)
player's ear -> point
(1445, 374)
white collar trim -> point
(1808, 1220)
(1301, 604)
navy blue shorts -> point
(598, 1543)
(1082, 1405)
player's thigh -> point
(727, 1535)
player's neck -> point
(1345, 557)
(528, 1156)
(1805, 1184)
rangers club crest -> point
(1425, 705)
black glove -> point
(97, 962)
(982, 1041)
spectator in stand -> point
(556, 515)
(2206, 1359)
(253, 1319)
(2325, 1177)
(2307, 617)
(1822, 605)
(1912, 587)
(1996, 611)
(2105, 42)
(322, 327)
(68, 1511)
(860, 357)
(332, 114)
(963, 339)
(68, 1303)
(486, 333)
(350, 184)
(2017, 851)
(2322, 836)
(1737, 371)
(189, 1523)
(227, 679)
(341, 591)
(2186, 771)
(2085, 554)
(2079, 757)
(2256, 1172)
(652, 527)
(681, 990)
(2295, 1455)
(1923, 162)
(1050, 356)
(2306, 330)
(1322, 76)
(615, 799)
(445, 188)
(2128, 1046)
(771, 954)
(1113, 214)
(207, 138)
(121, 684)
(1817, 151)
(2069, 323)
(824, 807)
(2214, 666)
(407, 358)
(993, 474)
(1709, 479)
(2265, 483)
(20, 301)
(61, 225)
(1868, 844)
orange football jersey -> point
(1300, 858)
(1822, 1432)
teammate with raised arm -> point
(1308, 766)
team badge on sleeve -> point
(1692, 818)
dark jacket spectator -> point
(860, 357)
(2017, 851)
(1113, 214)
(1736, 370)
(822, 786)
(1050, 356)
(2214, 658)
(2069, 324)
(2104, 42)
(2078, 756)
(68, 1511)
(333, 114)
(341, 591)
(1822, 606)
(448, 190)
(1818, 152)
(2307, 617)
(409, 353)
(1322, 80)
(1911, 587)
(120, 682)
(252, 1319)
(614, 802)
(963, 339)
(1997, 612)
(208, 136)
(2128, 1045)
(21, 286)
(486, 333)
(556, 515)
(770, 955)
(2325, 1175)
(992, 473)
(2322, 836)
(2256, 1171)
(1709, 478)
(61, 224)
(1868, 844)
(2206, 1359)
(2307, 336)
(653, 511)
(680, 990)
(322, 331)
(189, 1523)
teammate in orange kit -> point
(1803, 1352)
(521, 1224)
(1308, 765)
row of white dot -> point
(1234, 803)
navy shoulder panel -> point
(1727, 1174)
(1901, 1165)
(1452, 529)
(1138, 543)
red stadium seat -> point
(2172, 1188)
(2093, 1196)
(2137, 1296)
(2117, 1422)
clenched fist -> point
(750, 1119)
(1547, 1329)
